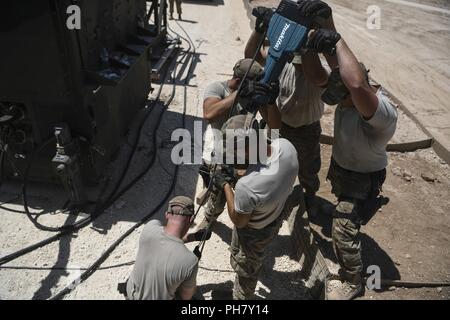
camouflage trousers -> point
(216, 200)
(356, 193)
(247, 253)
(346, 241)
(306, 140)
(215, 205)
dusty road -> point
(409, 238)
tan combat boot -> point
(339, 289)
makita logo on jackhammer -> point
(281, 38)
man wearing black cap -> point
(365, 121)
(164, 267)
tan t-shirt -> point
(219, 90)
(163, 264)
(264, 189)
(300, 100)
(360, 145)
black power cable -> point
(24, 191)
(2, 161)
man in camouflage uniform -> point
(257, 203)
(365, 121)
(301, 86)
(171, 8)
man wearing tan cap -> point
(165, 268)
(257, 203)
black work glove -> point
(324, 41)
(198, 236)
(259, 94)
(221, 178)
(314, 9)
(263, 16)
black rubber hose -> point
(2, 161)
(24, 192)
(131, 156)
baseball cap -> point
(241, 125)
(185, 206)
(241, 67)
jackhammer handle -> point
(255, 13)
(332, 52)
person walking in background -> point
(171, 8)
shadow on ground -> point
(206, 2)
(281, 285)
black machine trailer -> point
(68, 94)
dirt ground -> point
(409, 238)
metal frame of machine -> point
(81, 87)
